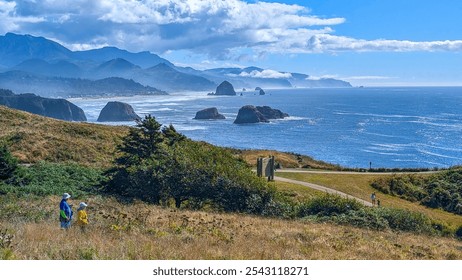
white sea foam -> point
(437, 154)
(185, 127)
(292, 118)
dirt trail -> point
(322, 188)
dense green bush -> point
(8, 163)
(158, 164)
(328, 205)
(400, 219)
(54, 179)
(406, 186)
(442, 190)
(364, 218)
(459, 232)
(333, 208)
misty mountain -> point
(169, 78)
(37, 57)
(60, 68)
(143, 59)
(14, 49)
(46, 86)
(251, 77)
(118, 67)
(240, 78)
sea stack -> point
(252, 114)
(249, 114)
(116, 111)
(225, 88)
(209, 114)
(271, 113)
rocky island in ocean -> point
(225, 88)
(252, 114)
(48, 107)
(209, 114)
(116, 111)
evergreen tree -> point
(158, 164)
(8, 163)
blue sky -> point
(366, 42)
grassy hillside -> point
(359, 185)
(286, 160)
(141, 231)
(34, 138)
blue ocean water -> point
(389, 127)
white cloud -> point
(266, 74)
(320, 43)
(220, 29)
(315, 78)
(10, 21)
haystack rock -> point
(116, 111)
(225, 88)
(209, 114)
(262, 92)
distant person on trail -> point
(378, 202)
(82, 217)
(65, 212)
(373, 198)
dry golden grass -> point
(358, 185)
(296, 192)
(34, 138)
(140, 231)
(287, 160)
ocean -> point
(409, 127)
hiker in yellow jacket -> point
(82, 217)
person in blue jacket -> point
(65, 212)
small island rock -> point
(252, 114)
(116, 111)
(271, 113)
(249, 114)
(209, 114)
(225, 88)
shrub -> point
(54, 179)
(442, 190)
(328, 205)
(404, 220)
(8, 163)
(459, 232)
(364, 218)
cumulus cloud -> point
(330, 43)
(11, 21)
(264, 74)
(220, 29)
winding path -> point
(322, 188)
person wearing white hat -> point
(65, 212)
(82, 217)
